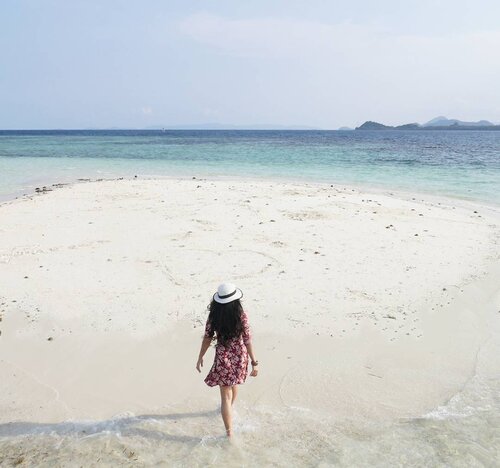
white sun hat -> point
(227, 292)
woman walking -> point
(228, 323)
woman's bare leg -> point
(226, 396)
(235, 393)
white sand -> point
(363, 305)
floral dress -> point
(231, 360)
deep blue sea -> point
(463, 164)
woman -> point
(228, 323)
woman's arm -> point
(205, 344)
(255, 364)
(247, 339)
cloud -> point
(147, 110)
(377, 67)
(297, 39)
(270, 37)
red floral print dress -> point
(231, 360)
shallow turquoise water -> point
(463, 433)
(464, 164)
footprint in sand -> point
(304, 215)
(278, 244)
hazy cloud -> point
(295, 39)
(385, 69)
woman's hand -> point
(205, 344)
(255, 371)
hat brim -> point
(237, 295)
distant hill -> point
(445, 122)
(370, 125)
(410, 126)
(346, 128)
(434, 120)
(439, 123)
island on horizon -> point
(438, 123)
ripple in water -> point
(463, 433)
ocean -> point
(464, 164)
(463, 432)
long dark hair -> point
(225, 320)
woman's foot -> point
(229, 432)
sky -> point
(323, 64)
